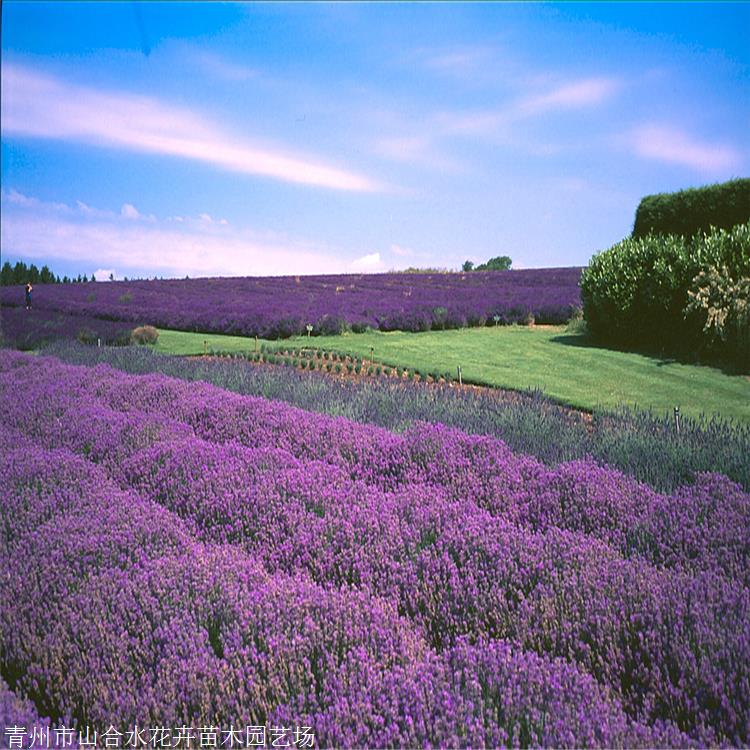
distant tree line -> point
(500, 263)
(20, 273)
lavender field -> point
(175, 553)
(30, 329)
(283, 306)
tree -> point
(20, 273)
(467, 266)
(501, 263)
(6, 275)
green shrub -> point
(694, 211)
(723, 303)
(636, 293)
(439, 318)
(144, 335)
(86, 336)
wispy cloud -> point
(672, 145)
(35, 229)
(458, 61)
(41, 106)
(420, 150)
(571, 95)
(402, 252)
(220, 67)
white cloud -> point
(369, 262)
(129, 211)
(25, 201)
(404, 148)
(85, 210)
(35, 229)
(416, 149)
(403, 252)
(41, 106)
(569, 95)
(103, 274)
(460, 62)
(672, 145)
(583, 93)
(220, 67)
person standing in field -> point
(28, 295)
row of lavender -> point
(423, 588)
(640, 444)
(30, 329)
(283, 306)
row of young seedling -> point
(340, 363)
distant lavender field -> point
(283, 306)
(29, 329)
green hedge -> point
(694, 211)
(636, 293)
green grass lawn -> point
(182, 342)
(562, 364)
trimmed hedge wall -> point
(695, 210)
(636, 293)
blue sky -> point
(233, 139)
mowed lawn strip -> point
(517, 357)
(187, 343)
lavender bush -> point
(212, 557)
(279, 307)
(637, 443)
